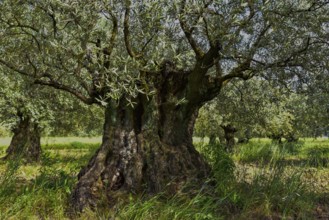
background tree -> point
(154, 64)
(259, 108)
(241, 108)
(22, 109)
(30, 111)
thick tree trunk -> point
(25, 143)
(229, 132)
(145, 149)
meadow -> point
(260, 180)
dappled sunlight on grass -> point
(260, 180)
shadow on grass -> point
(66, 156)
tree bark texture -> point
(145, 149)
(25, 144)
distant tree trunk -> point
(277, 138)
(229, 131)
(246, 137)
(25, 144)
(145, 149)
(212, 139)
(291, 138)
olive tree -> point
(30, 111)
(242, 109)
(21, 111)
(154, 64)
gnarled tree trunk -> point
(25, 144)
(147, 148)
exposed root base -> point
(136, 165)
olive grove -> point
(153, 65)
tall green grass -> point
(272, 191)
(40, 191)
(252, 183)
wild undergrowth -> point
(255, 182)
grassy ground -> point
(261, 180)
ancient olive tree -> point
(312, 112)
(153, 64)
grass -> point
(260, 180)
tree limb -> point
(51, 83)
(188, 31)
(126, 30)
(107, 51)
(56, 85)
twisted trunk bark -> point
(25, 143)
(147, 148)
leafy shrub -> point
(72, 145)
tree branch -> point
(51, 83)
(56, 85)
(126, 31)
(107, 51)
(12, 67)
(188, 31)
